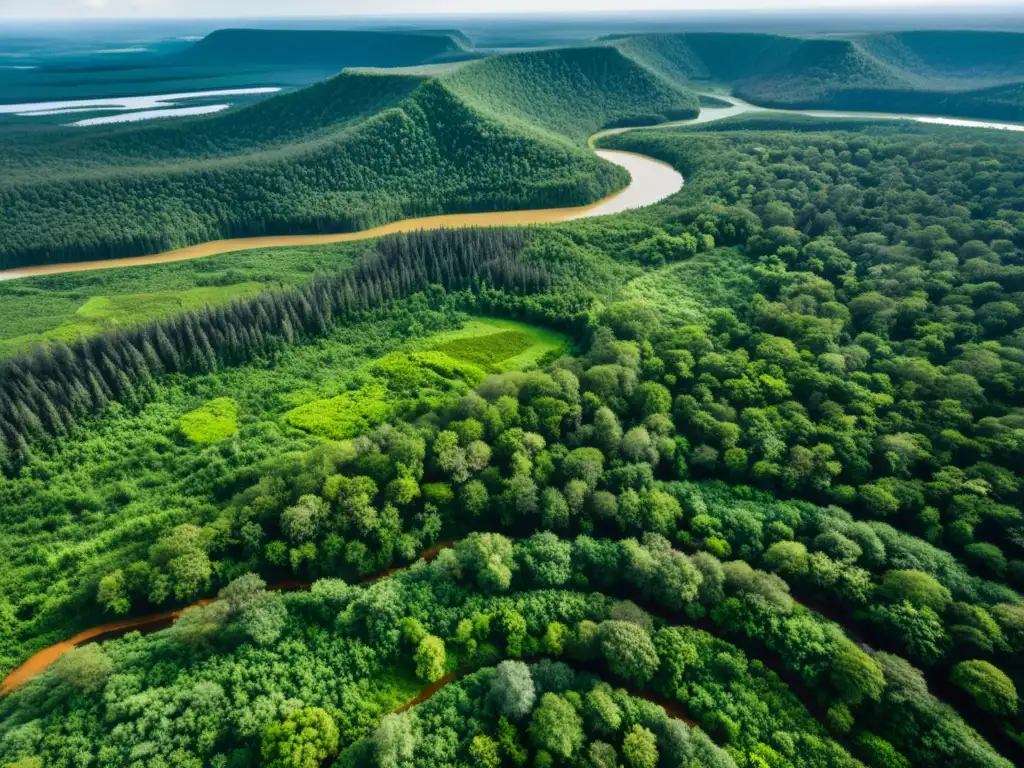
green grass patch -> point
(397, 687)
(102, 312)
(412, 371)
(397, 380)
(215, 421)
(423, 375)
(347, 415)
(489, 349)
(39, 309)
(500, 345)
(120, 310)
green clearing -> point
(501, 345)
(410, 371)
(343, 416)
(687, 291)
(210, 423)
(491, 348)
(428, 372)
(100, 313)
(39, 309)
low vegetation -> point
(102, 313)
(210, 423)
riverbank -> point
(651, 181)
(38, 662)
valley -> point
(651, 182)
(647, 400)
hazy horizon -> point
(68, 10)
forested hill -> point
(340, 48)
(289, 120)
(962, 55)
(228, 59)
(972, 74)
(352, 152)
(571, 91)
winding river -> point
(651, 181)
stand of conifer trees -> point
(44, 392)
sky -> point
(72, 9)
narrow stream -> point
(40, 660)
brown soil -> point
(430, 690)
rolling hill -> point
(358, 150)
(962, 55)
(571, 91)
(333, 48)
(970, 74)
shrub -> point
(430, 658)
(210, 423)
(305, 739)
(991, 688)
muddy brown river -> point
(40, 660)
(651, 181)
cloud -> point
(95, 5)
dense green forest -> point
(963, 73)
(449, 159)
(355, 151)
(571, 92)
(733, 480)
